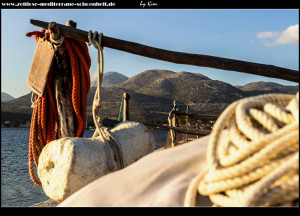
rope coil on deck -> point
(253, 154)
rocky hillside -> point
(109, 79)
(189, 87)
(257, 88)
(145, 78)
(156, 89)
(6, 97)
(18, 105)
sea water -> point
(17, 189)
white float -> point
(68, 164)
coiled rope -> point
(44, 120)
(253, 154)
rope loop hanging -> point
(253, 154)
(109, 141)
(100, 66)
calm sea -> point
(17, 189)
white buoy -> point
(68, 164)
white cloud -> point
(288, 36)
(267, 34)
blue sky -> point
(255, 35)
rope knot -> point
(39, 34)
(57, 42)
(96, 104)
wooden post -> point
(183, 115)
(180, 57)
(192, 131)
(126, 98)
(174, 143)
(63, 84)
(172, 123)
(187, 122)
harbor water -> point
(17, 189)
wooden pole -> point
(126, 98)
(192, 131)
(63, 85)
(175, 140)
(183, 130)
(180, 57)
(187, 122)
(183, 115)
(172, 123)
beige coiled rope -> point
(253, 154)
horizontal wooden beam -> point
(183, 130)
(183, 115)
(180, 57)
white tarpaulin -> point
(158, 179)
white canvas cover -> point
(158, 179)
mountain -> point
(18, 105)
(144, 78)
(109, 79)
(257, 88)
(192, 88)
(202, 94)
(6, 97)
(156, 90)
